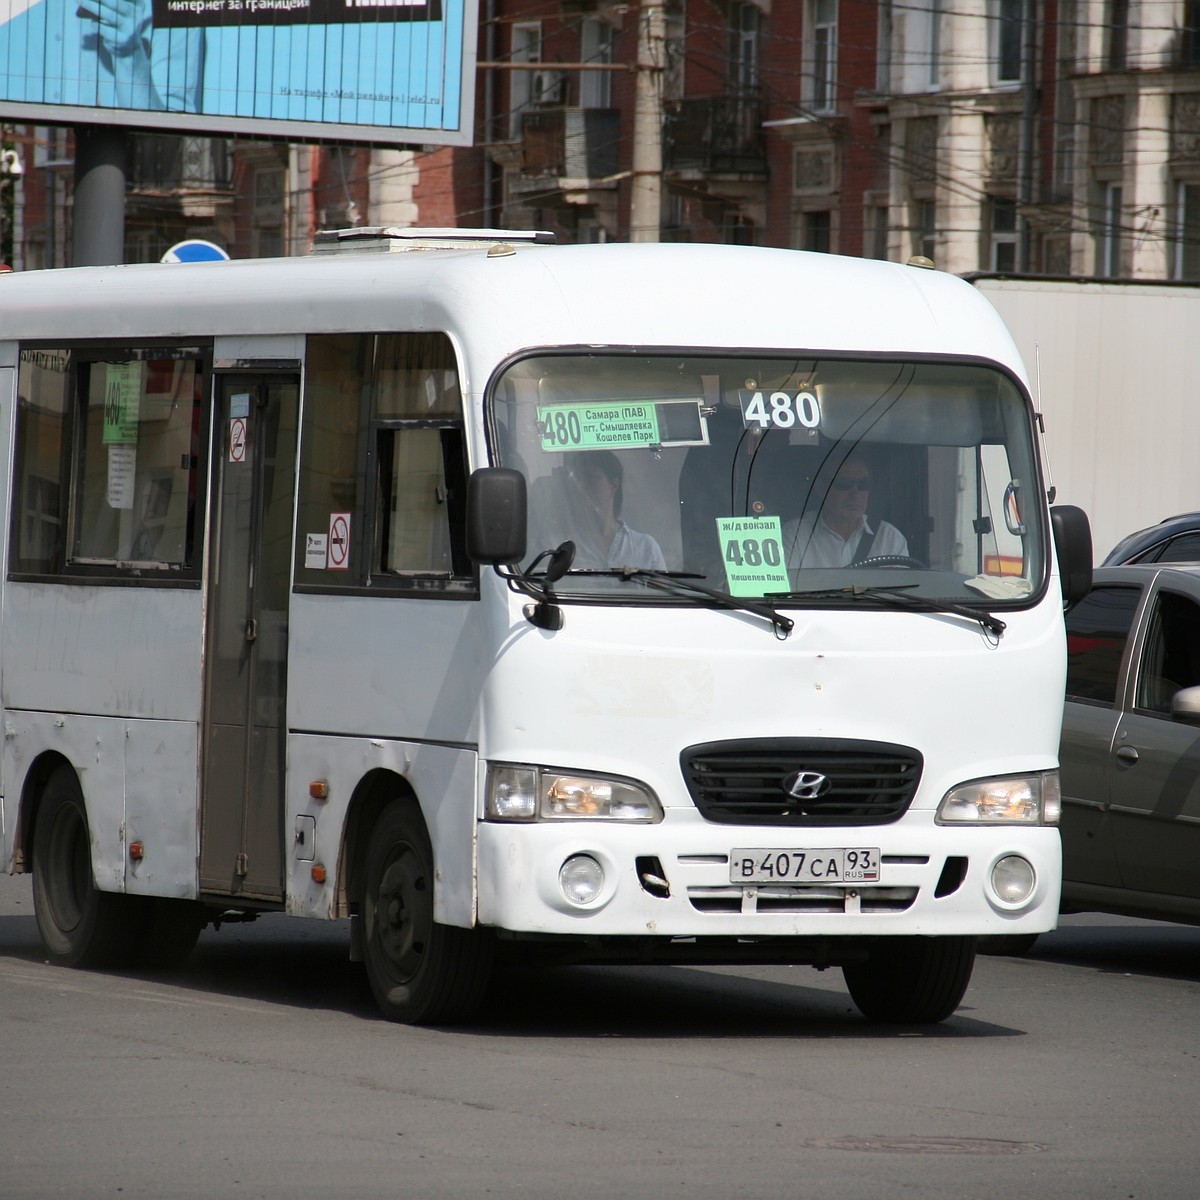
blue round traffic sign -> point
(194, 250)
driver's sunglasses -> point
(844, 484)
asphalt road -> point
(262, 1070)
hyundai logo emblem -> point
(807, 785)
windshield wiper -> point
(684, 581)
(903, 597)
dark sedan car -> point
(1131, 745)
(1177, 539)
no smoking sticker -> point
(237, 439)
(339, 542)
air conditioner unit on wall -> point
(549, 87)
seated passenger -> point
(840, 535)
(594, 495)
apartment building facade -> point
(1057, 137)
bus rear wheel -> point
(80, 926)
(421, 972)
(912, 980)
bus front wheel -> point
(80, 925)
(912, 980)
(421, 972)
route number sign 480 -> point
(781, 410)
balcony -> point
(575, 144)
(715, 135)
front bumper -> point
(934, 881)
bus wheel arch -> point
(375, 791)
(420, 971)
(32, 791)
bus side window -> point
(382, 441)
(419, 523)
(108, 460)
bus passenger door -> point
(245, 726)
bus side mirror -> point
(1073, 546)
(496, 516)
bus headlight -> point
(520, 793)
(1011, 799)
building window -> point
(745, 30)
(1190, 47)
(595, 46)
(1007, 34)
(816, 231)
(1187, 232)
(909, 58)
(925, 228)
(269, 207)
(268, 243)
(1116, 34)
(824, 54)
(1109, 249)
(526, 48)
(886, 38)
(875, 243)
(934, 26)
(1002, 226)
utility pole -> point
(1027, 146)
(645, 208)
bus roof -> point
(505, 298)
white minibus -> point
(531, 603)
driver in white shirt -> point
(841, 535)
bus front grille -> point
(798, 782)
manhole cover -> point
(926, 1145)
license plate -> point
(843, 865)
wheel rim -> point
(67, 889)
(404, 914)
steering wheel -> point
(891, 560)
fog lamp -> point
(581, 879)
(1013, 878)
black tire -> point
(80, 926)
(1012, 945)
(912, 980)
(170, 931)
(420, 972)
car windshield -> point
(798, 479)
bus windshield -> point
(810, 479)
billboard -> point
(353, 70)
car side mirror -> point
(1185, 705)
(1073, 548)
(497, 504)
